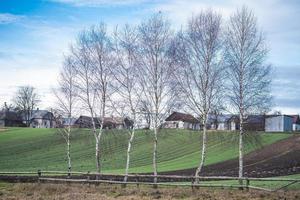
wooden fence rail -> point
(146, 179)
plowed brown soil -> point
(277, 159)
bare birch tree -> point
(198, 55)
(93, 53)
(26, 100)
(66, 96)
(126, 77)
(249, 77)
(155, 69)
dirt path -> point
(45, 191)
(277, 159)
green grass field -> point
(26, 149)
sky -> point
(36, 34)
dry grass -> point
(78, 191)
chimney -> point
(5, 106)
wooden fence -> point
(142, 179)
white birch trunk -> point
(155, 155)
(97, 139)
(128, 154)
(241, 148)
(203, 152)
(68, 151)
(98, 153)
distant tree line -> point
(150, 69)
(24, 102)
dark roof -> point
(38, 114)
(84, 118)
(9, 115)
(250, 118)
(268, 116)
(220, 118)
(296, 119)
(107, 120)
(177, 116)
(255, 119)
(41, 114)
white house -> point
(181, 121)
(279, 123)
(41, 119)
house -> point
(65, 122)
(279, 123)
(10, 119)
(296, 123)
(219, 122)
(251, 123)
(181, 121)
(41, 119)
(117, 123)
(109, 122)
(86, 122)
(233, 123)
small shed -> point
(279, 123)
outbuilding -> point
(296, 123)
(279, 123)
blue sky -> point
(34, 35)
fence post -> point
(69, 172)
(39, 173)
(125, 181)
(192, 183)
(137, 182)
(241, 184)
(155, 180)
(88, 177)
(247, 184)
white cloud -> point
(179, 11)
(7, 18)
(34, 59)
(96, 3)
(42, 79)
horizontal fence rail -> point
(141, 179)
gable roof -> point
(41, 114)
(177, 116)
(107, 120)
(296, 119)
